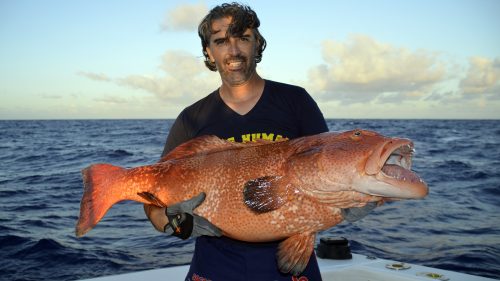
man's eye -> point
(220, 42)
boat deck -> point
(359, 268)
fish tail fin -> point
(98, 195)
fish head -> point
(370, 163)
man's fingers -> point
(186, 206)
(197, 200)
(147, 210)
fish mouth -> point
(391, 164)
(397, 164)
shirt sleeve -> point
(310, 117)
(177, 135)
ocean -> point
(457, 227)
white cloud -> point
(185, 79)
(361, 73)
(112, 100)
(47, 96)
(185, 17)
(363, 69)
(483, 78)
(94, 76)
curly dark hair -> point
(243, 17)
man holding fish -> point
(245, 108)
(251, 171)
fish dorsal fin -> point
(265, 194)
(208, 144)
(265, 141)
(203, 144)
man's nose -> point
(234, 48)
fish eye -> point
(356, 136)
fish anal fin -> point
(294, 253)
(203, 144)
(265, 194)
(148, 196)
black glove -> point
(354, 214)
(184, 224)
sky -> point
(93, 59)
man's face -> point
(234, 56)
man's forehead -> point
(221, 24)
(219, 27)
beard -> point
(236, 70)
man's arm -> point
(310, 118)
(178, 134)
(178, 219)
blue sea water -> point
(457, 227)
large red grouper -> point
(264, 191)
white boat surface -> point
(359, 268)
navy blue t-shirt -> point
(283, 111)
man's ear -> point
(209, 53)
(259, 43)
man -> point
(244, 108)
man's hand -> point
(179, 219)
(157, 216)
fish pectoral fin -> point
(264, 194)
(148, 196)
(294, 253)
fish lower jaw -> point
(385, 186)
(399, 173)
(407, 186)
